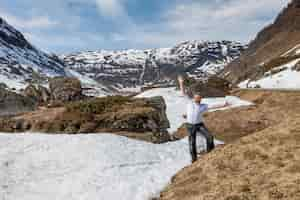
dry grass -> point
(264, 165)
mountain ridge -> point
(21, 61)
(135, 68)
(270, 44)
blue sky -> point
(63, 26)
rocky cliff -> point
(280, 39)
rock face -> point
(12, 103)
(38, 93)
(65, 89)
(137, 118)
(271, 43)
(158, 103)
(136, 68)
(297, 67)
(212, 87)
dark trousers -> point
(193, 129)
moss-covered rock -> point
(65, 89)
(12, 103)
(140, 118)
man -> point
(195, 110)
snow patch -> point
(286, 79)
(176, 104)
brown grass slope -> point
(270, 43)
(269, 109)
(264, 165)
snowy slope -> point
(86, 167)
(95, 166)
(286, 78)
(91, 87)
(20, 62)
(136, 68)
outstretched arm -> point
(219, 106)
(181, 85)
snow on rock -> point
(94, 88)
(293, 51)
(288, 78)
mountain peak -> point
(20, 61)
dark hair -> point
(191, 93)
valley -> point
(109, 124)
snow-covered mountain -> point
(105, 72)
(136, 68)
(21, 62)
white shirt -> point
(195, 112)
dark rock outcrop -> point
(12, 103)
(212, 87)
(143, 119)
(297, 67)
(65, 89)
(38, 93)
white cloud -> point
(35, 22)
(221, 15)
(111, 8)
(211, 20)
(216, 20)
(179, 21)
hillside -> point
(129, 69)
(261, 163)
(35, 166)
(265, 52)
(21, 62)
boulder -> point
(12, 103)
(138, 118)
(38, 93)
(159, 104)
(65, 89)
(297, 67)
(213, 87)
